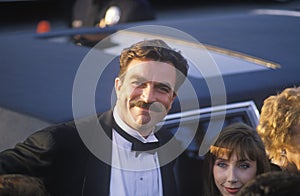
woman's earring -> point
(283, 160)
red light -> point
(43, 27)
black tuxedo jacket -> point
(58, 156)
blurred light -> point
(112, 17)
(77, 23)
(43, 27)
(277, 12)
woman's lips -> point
(232, 190)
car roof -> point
(38, 73)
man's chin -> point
(145, 123)
(147, 120)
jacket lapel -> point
(168, 180)
(167, 170)
(97, 178)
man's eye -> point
(165, 89)
(136, 83)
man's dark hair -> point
(156, 50)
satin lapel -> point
(97, 179)
(168, 180)
(167, 171)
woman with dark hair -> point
(237, 156)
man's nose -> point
(148, 94)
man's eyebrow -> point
(162, 84)
(140, 78)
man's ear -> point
(118, 84)
(174, 96)
(172, 100)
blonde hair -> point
(279, 114)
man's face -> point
(145, 93)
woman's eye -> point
(221, 164)
(244, 166)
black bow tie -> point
(137, 145)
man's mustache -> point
(153, 106)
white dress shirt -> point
(133, 174)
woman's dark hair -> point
(241, 140)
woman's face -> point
(231, 174)
(293, 148)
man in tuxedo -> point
(134, 161)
